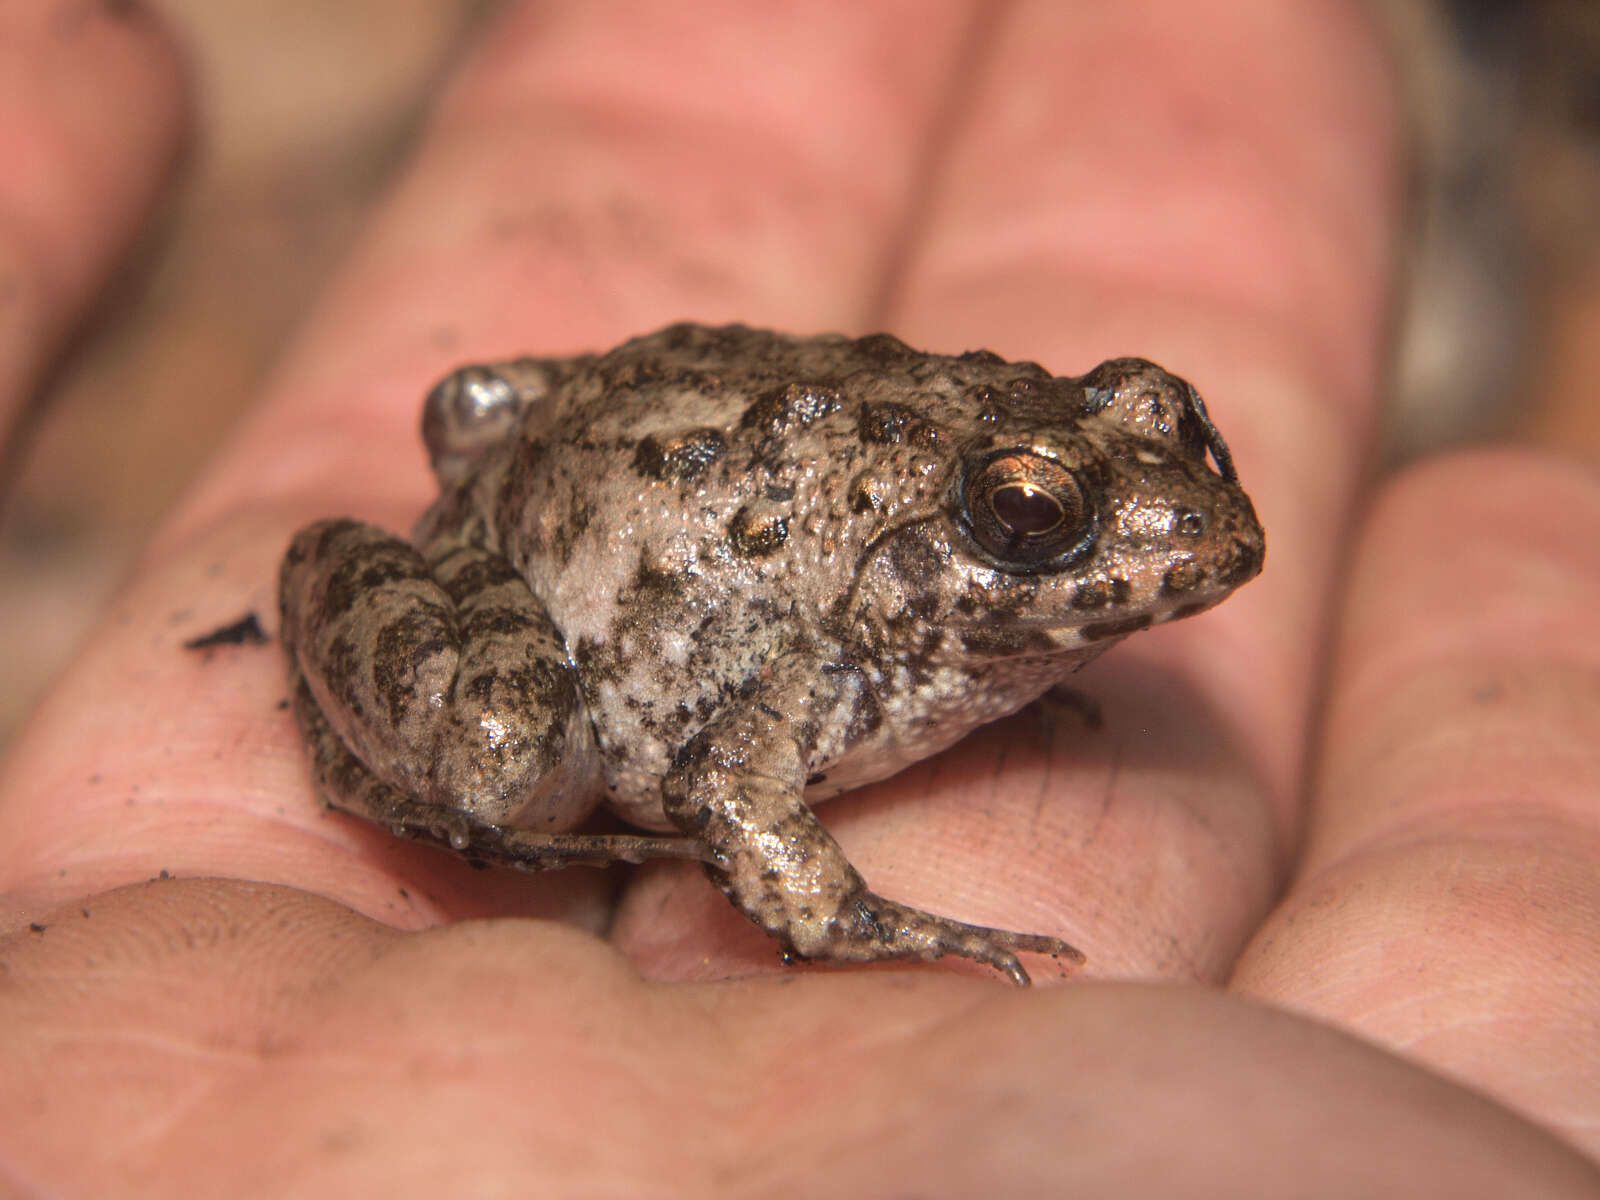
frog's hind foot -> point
(479, 842)
(869, 928)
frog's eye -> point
(1026, 510)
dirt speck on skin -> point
(246, 631)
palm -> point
(324, 1040)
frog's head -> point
(1075, 515)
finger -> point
(1216, 190)
(1450, 893)
(89, 127)
(571, 190)
(333, 1051)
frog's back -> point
(700, 497)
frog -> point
(716, 575)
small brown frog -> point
(718, 574)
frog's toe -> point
(882, 929)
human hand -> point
(310, 1004)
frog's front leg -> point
(435, 697)
(737, 787)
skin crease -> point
(1085, 195)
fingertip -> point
(94, 116)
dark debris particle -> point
(36, 927)
(246, 631)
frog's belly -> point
(849, 759)
(636, 797)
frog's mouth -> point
(1047, 639)
(998, 635)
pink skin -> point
(1213, 185)
(90, 123)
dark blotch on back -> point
(580, 512)
(887, 423)
(756, 535)
(681, 457)
(792, 404)
(652, 583)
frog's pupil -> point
(1025, 508)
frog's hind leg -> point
(437, 697)
(343, 782)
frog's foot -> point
(481, 843)
(869, 928)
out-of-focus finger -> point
(91, 115)
(1449, 900)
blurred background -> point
(303, 108)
